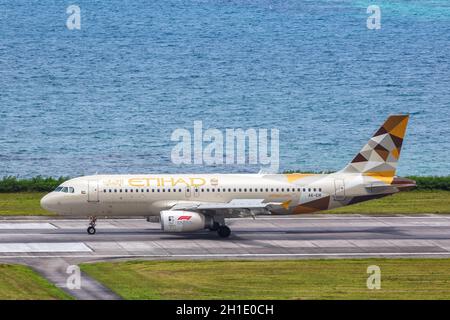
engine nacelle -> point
(184, 221)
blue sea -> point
(106, 98)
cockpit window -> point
(65, 189)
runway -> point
(306, 236)
(50, 245)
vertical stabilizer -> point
(379, 157)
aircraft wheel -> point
(215, 226)
(91, 230)
(224, 232)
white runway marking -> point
(43, 247)
(353, 217)
(244, 255)
(27, 225)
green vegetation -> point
(40, 184)
(18, 204)
(21, 283)
(22, 197)
(423, 182)
(284, 279)
(433, 201)
(36, 184)
(431, 183)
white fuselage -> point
(146, 195)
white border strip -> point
(238, 255)
(34, 247)
(26, 226)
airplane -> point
(194, 202)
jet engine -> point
(184, 221)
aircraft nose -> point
(48, 202)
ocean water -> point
(106, 98)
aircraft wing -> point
(233, 204)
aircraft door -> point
(188, 192)
(196, 191)
(93, 191)
(339, 189)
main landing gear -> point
(218, 224)
(215, 226)
(91, 228)
(223, 231)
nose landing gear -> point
(92, 223)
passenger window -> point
(282, 189)
(234, 190)
(120, 190)
(240, 190)
(245, 189)
(309, 189)
(320, 189)
(110, 190)
(314, 189)
(104, 190)
(115, 190)
(126, 190)
(212, 190)
(168, 189)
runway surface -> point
(306, 236)
(49, 246)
